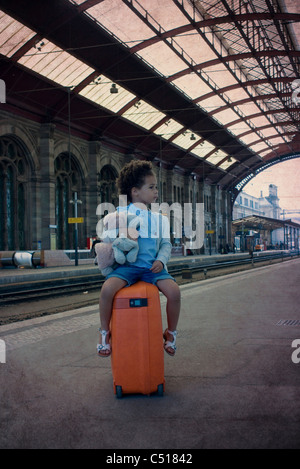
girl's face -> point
(146, 194)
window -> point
(68, 180)
(107, 187)
(13, 209)
(164, 195)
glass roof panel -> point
(259, 146)
(249, 108)
(219, 74)
(162, 58)
(196, 46)
(99, 92)
(263, 153)
(12, 34)
(202, 91)
(203, 149)
(210, 104)
(270, 131)
(121, 21)
(226, 116)
(239, 128)
(276, 140)
(184, 140)
(253, 137)
(247, 139)
(168, 129)
(192, 85)
(55, 64)
(260, 121)
(216, 157)
(227, 163)
(267, 134)
(165, 13)
(143, 114)
(237, 94)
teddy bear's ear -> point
(134, 222)
(110, 219)
(122, 219)
(133, 233)
(105, 219)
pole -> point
(76, 201)
(76, 228)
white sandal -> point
(103, 346)
(168, 344)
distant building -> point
(246, 205)
(270, 205)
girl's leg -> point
(110, 287)
(172, 292)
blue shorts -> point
(131, 274)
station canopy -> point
(253, 222)
(206, 87)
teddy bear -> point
(105, 257)
(119, 241)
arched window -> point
(107, 185)
(164, 197)
(67, 181)
(13, 209)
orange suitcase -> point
(137, 341)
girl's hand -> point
(157, 267)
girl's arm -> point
(164, 250)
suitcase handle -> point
(124, 303)
(138, 302)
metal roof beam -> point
(234, 58)
(263, 127)
(253, 116)
(245, 84)
(254, 41)
(248, 100)
(88, 4)
(249, 17)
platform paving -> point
(232, 384)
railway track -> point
(183, 272)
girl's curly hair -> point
(133, 175)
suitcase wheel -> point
(160, 390)
(119, 392)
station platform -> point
(19, 275)
(233, 383)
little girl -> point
(137, 181)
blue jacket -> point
(158, 229)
